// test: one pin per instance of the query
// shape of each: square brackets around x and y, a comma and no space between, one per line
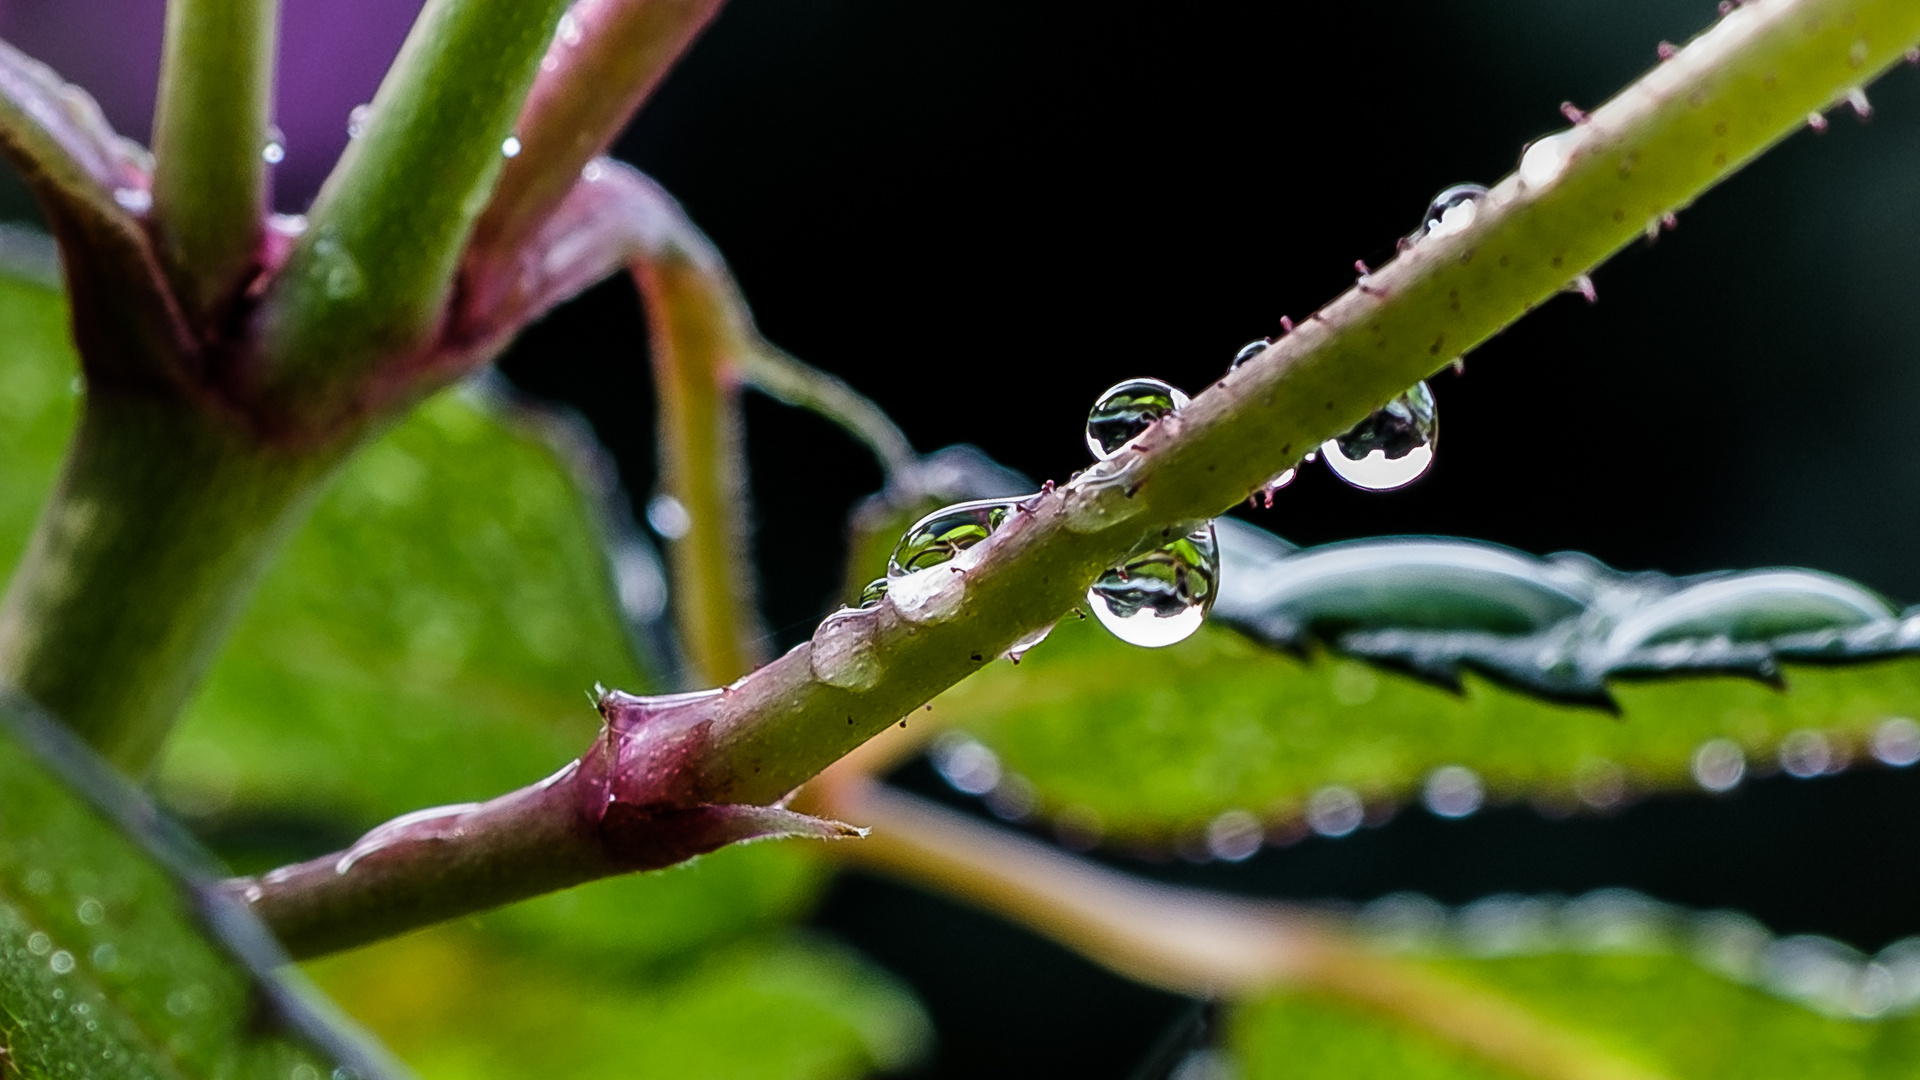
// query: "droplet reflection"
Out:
[1391,448]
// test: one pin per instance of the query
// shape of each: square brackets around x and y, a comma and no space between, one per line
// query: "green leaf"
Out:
[459,1007]
[1556,680]
[1678,994]
[114,962]
[427,638]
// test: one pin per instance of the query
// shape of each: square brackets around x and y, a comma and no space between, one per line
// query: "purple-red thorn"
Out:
[1572,112]
[1286,325]
[1666,50]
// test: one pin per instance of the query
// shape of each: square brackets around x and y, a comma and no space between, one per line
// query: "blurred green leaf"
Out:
[459,1008]
[427,637]
[1159,742]
[112,963]
[1704,997]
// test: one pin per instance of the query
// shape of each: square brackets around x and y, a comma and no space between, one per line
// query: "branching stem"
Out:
[1578,197]
[209,129]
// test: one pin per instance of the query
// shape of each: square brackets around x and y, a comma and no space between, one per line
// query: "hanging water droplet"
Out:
[871,596]
[945,533]
[357,118]
[1250,350]
[1390,449]
[1453,210]
[275,151]
[1020,648]
[1160,596]
[1126,410]
[511,147]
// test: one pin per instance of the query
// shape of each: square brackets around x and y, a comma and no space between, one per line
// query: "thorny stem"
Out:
[1744,84]
[1191,941]
[209,128]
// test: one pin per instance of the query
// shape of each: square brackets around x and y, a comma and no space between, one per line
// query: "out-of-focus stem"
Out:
[1188,940]
[160,524]
[209,127]
[698,341]
[607,58]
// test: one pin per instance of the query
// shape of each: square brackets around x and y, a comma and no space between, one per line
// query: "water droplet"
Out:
[133,200]
[1805,754]
[1719,764]
[1019,649]
[39,944]
[106,956]
[1248,351]
[1234,836]
[668,516]
[304,1071]
[1126,410]
[568,32]
[966,764]
[275,150]
[1390,449]
[1335,811]
[61,962]
[1454,791]
[940,536]
[433,823]
[592,171]
[1545,159]
[511,147]
[1268,489]
[1092,503]
[287,224]
[843,652]
[1161,596]
[1896,742]
[91,911]
[357,119]
[1453,210]
[340,274]
[875,592]
[1600,784]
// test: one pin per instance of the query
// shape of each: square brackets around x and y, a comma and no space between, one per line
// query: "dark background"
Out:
[983,213]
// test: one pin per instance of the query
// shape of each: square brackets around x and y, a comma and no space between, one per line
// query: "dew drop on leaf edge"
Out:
[1160,596]
[1391,448]
[1126,410]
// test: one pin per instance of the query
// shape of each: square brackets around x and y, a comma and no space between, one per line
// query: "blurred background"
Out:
[981,214]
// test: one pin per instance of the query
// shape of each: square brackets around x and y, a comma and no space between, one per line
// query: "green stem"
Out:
[370,278]
[209,128]
[607,59]
[141,560]
[697,339]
